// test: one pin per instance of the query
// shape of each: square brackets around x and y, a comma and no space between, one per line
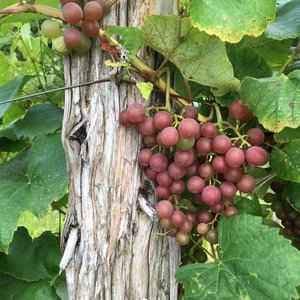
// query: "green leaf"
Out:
[275,101]
[285,162]
[31,260]
[40,120]
[7,145]
[249,206]
[287,135]
[145,89]
[292,194]
[30,182]
[195,53]
[130,37]
[250,265]
[231,20]
[246,62]
[287,23]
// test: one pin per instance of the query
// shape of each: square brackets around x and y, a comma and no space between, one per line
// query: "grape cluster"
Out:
[187,159]
[84,25]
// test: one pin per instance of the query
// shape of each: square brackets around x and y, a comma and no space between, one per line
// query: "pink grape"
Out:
[162,192]
[234,175]
[204,146]
[235,157]
[178,218]
[162,120]
[164,209]
[246,184]
[136,113]
[158,162]
[151,174]
[239,111]
[256,156]
[195,184]
[209,130]
[184,159]
[144,157]
[211,195]
[190,112]
[230,211]
[219,164]
[206,171]
[163,179]
[169,137]
[72,13]
[177,187]
[189,128]
[204,216]
[147,127]
[228,190]
[256,136]
[221,144]
[176,172]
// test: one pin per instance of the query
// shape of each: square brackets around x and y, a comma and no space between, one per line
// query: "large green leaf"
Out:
[200,57]
[275,101]
[287,135]
[285,162]
[31,182]
[40,119]
[255,262]
[287,23]
[231,20]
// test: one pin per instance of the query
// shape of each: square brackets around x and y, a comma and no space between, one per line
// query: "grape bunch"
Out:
[197,168]
[84,25]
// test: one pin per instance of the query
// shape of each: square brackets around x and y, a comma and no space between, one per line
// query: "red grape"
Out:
[182,238]
[178,218]
[256,156]
[185,144]
[162,192]
[205,216]
[93,11]
[217,208]
[202,228]
[177,187]
[234,157]
[162,120]
[230,211]
[176,172]
[204,146]
[136,113]
[163,179]
[228,190]
[190,112]
[147,127]
[169,137]
[192,170]
[151,174]
[189,128]
[72,13]
[91,29]
[219,164]
[191,217]
[206,171]
[184,159]
[144,157]
[164,209]
[221,144]
[187,226]
[246,184]
[239,111]
[72,38]
[256,136]
[158,162]
[209,130]
[212,236]
[123,119]
[211,195]
[195,184]
[234,175]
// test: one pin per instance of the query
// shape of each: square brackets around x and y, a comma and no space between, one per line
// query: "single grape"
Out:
[234,157]
[204,216]
[204,146]
[195,185]
[233,175]
[189,128]
[202,228]
[72,13]
[187,226]
[212,236]
[176,172]
[162,192]
[211,195]
[206,171]
[90,28]
[219,164]
[162,120]
[72,38]
[136,113]
[151,174]
[164,209]
[184,159]
[182,238]
[144,157]
[93,11]
[158,162]
[246,184]
[190,112]
[209,130]
[256,156]
[59,45]
[256,136]
[165,223]
[163,179]
[221,144]
[192,170]
[228,190]
[177,187]
[230,211]
[51,29]
[185,144]
[218,208]
[178,218]
[149,141]
[191,217]
[147,127]
[239,111]
[84,46]
[169,137]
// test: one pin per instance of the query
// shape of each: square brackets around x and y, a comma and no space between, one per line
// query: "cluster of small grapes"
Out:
[186,158]
[85,24]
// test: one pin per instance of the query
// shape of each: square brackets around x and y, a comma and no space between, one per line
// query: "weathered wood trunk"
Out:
[118,254]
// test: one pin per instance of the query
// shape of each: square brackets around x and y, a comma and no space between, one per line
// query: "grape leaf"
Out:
[31,182]
[249,206]
[195,53]
[40,119]
[145,89]
[287,23]
[231,20]
[275,100]
[287,135]
[250,265]
[285,161]
[292,194]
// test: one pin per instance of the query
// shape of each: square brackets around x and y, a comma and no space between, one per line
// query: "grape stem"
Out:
[219,116]
[236,131]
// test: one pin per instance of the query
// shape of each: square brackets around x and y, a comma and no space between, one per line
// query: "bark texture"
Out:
[118,254]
